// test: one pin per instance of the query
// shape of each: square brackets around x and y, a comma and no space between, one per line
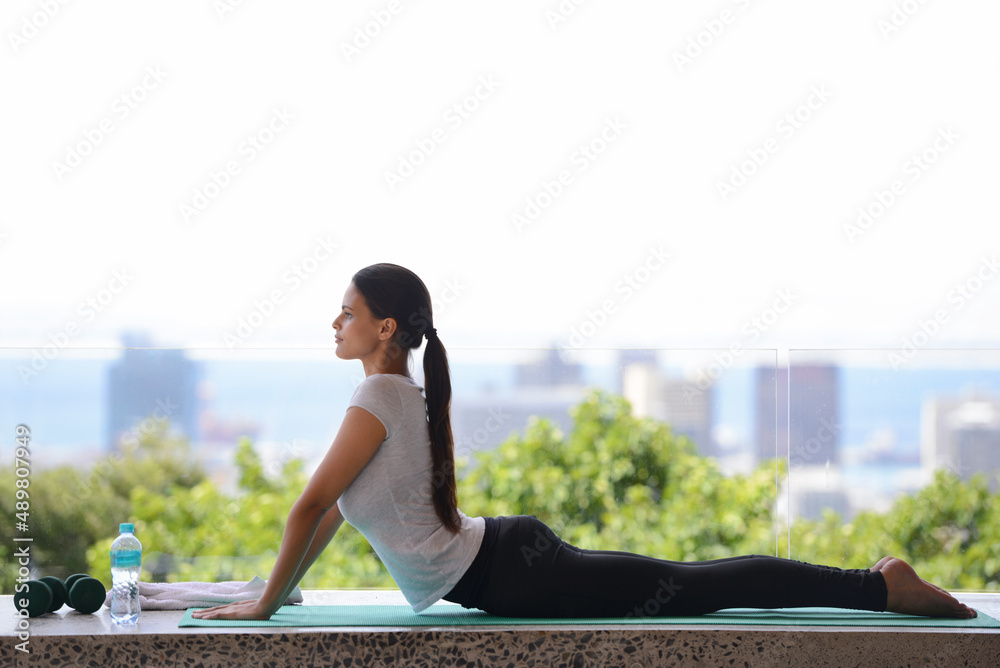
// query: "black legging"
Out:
[524,570]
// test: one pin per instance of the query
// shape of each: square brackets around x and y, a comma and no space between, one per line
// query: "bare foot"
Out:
[884,560]
[910,595]
[881,562]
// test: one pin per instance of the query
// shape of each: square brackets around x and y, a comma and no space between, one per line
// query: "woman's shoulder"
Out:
[388,397]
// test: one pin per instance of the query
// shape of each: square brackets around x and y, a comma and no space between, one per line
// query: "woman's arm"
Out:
[314,518]
[324,534]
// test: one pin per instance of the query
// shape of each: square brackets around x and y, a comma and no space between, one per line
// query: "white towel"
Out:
[183,595]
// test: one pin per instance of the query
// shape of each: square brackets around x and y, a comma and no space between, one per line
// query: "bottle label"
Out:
[126,558]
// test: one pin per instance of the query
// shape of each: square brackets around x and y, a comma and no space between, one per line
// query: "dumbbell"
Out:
[36,601]
[59,592]
[83,593]
[87,595]
[72,579]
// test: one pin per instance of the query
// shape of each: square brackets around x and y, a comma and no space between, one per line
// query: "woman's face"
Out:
[356,329]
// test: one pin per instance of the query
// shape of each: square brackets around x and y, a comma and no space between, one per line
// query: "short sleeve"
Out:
[378,395]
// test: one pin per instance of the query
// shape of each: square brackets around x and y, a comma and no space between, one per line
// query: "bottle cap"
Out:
[126,527]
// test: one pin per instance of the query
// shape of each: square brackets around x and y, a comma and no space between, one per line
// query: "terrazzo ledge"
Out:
[67,638]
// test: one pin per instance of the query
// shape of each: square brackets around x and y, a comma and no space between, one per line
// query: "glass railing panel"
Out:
[234,434]
[893,454]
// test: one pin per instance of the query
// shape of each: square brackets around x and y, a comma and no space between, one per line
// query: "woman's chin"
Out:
[341,353]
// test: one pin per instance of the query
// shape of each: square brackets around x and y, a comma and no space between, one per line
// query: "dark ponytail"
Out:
[391,291]
[437,385]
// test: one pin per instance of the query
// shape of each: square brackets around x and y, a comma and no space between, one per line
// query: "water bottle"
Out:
[126,563]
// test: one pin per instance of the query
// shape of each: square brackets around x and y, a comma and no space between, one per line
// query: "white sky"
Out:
[679,133]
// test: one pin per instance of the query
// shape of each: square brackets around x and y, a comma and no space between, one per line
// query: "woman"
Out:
[390,473]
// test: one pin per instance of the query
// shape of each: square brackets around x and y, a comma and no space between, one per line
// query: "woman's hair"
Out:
[391,291]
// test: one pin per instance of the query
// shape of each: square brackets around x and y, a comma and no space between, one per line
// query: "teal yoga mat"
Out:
[454,615]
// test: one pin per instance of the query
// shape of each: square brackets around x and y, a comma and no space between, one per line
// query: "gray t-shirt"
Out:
[390,501]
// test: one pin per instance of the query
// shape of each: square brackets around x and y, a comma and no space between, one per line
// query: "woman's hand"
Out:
[239,610]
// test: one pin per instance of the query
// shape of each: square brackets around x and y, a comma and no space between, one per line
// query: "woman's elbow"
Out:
[311,508]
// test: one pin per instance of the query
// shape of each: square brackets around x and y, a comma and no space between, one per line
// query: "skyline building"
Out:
[961,434]
[676,401]
[550,371]
[546,388]
[150,383]
[804,421]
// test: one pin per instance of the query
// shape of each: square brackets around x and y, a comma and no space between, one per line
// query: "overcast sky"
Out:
[643,174]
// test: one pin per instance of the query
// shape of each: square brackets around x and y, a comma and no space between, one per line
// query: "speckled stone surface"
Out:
[67,638]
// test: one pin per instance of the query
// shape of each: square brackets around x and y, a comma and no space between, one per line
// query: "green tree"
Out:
[619,482]
[949,531]
[70,509]
[200,533]
[615,482]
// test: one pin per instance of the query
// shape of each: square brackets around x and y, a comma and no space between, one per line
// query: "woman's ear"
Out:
[388,329]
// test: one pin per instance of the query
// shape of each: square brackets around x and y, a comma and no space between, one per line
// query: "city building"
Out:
[675,401]
[961,435]
[148,383]
[483,422]
[550,371]
[547,388]
[811,492]
[803,424]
